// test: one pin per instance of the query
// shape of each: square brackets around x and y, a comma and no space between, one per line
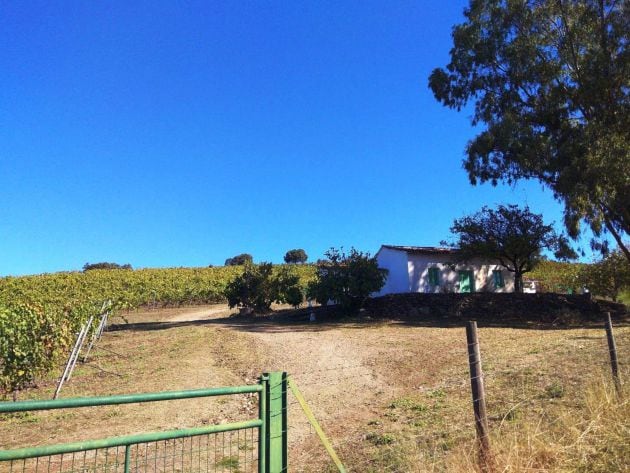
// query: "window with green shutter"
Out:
[498,278]
[434,276]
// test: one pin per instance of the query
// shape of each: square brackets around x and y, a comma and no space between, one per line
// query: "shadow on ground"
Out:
[329,318]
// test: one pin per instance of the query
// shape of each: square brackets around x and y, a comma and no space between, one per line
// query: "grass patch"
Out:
[229,462]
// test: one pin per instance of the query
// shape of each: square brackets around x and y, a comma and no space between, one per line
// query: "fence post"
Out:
[478,397]
[612,349]
[276,447]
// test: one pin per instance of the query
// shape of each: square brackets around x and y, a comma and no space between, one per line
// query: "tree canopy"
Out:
[550,80]
[239,260]
[347,279]
[512,237]
[296,256]
[105,265]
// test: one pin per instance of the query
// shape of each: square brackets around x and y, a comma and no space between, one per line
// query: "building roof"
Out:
[425,250]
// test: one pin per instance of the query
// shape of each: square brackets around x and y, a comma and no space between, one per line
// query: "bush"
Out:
[253,289]
[259,286]
[295,256]
[608,277]
[239,260]
[347,280]
[289,289]
[104,265]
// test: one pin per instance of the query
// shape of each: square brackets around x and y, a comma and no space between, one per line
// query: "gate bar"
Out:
[125,398]
[32,452]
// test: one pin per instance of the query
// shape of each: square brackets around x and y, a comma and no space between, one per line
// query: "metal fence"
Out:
[256,445]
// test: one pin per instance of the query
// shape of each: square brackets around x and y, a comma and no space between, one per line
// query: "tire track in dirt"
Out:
[333,367]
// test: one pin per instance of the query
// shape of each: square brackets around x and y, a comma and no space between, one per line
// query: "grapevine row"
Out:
[40,315]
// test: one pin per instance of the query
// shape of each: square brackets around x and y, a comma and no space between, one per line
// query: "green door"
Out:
[466,281]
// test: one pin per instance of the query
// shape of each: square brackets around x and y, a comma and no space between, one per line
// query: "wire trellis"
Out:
[223,452]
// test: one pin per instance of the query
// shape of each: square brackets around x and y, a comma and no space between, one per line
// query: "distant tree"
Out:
[549,83]
[512,237]
[347,279]
[90,266]
[295,256]
[239,260]
[607,277]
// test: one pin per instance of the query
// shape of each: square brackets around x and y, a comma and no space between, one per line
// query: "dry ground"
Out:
[389,394]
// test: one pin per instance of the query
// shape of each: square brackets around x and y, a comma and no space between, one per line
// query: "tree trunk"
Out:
[617,237]
[518,282]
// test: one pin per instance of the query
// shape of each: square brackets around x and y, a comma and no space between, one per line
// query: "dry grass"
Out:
[392,397]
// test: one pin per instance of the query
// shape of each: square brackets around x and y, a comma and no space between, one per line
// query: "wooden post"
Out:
[478,397]
[612,349]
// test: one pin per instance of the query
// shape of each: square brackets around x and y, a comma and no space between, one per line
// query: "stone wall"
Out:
[546,308]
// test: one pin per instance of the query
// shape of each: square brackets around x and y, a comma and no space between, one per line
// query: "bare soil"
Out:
[375,386]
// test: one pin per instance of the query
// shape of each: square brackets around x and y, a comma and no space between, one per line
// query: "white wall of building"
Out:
[396,263]
[409,272]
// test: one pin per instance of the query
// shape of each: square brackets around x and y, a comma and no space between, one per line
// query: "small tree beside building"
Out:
[512,237]
[347,279]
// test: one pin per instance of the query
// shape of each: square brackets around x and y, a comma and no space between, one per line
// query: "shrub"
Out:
[608,277]
[289,289]
[296,256]
[259,286]
[347,279]
[254,289]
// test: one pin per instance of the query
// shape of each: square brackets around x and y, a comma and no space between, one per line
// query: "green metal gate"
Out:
[256,445]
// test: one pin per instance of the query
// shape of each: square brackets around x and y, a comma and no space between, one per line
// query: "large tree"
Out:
[550,82]
[510,236]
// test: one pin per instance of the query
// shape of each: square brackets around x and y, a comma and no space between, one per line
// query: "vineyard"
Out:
[40,315]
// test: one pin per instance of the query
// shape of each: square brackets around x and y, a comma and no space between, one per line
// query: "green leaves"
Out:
[259,286]
[40,315]
[549,80]
[347,279]
[29,343]
[509,236]
[607,277]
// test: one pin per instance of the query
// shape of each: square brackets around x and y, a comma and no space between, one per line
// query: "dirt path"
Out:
[386,393]
[334,367]
[201,314]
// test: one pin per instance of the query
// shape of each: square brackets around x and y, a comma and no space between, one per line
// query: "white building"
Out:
[433,269]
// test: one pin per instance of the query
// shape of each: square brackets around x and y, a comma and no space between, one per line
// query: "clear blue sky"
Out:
[172,134]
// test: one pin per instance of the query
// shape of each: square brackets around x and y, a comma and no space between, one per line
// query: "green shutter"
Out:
[434,277]
[498,278]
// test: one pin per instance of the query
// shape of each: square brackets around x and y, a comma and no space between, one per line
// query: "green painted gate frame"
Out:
[271,422]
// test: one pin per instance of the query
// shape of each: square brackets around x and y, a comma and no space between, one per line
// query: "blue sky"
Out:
[172,134]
